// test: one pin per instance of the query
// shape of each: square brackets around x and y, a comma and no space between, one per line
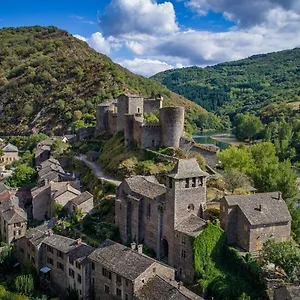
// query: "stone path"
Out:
[98,170]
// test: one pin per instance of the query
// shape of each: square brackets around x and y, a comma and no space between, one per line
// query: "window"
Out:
[14,233]
[60,254]
[138,110]
[60,266]
[149,210]
[19,232]
[170,183]
[80,292]
[93,266]
[49,249]
[119,293]
[183,241]
[183,254]
[194,182]
[127,282]
[71,261]
[21,250]
[119,279]
[191,207]
[17,224]
[50,261]
[79,278]
[106,289]
[106,273]
[93,280]
[187,183]
[126,297]
[78,265]
[71,273]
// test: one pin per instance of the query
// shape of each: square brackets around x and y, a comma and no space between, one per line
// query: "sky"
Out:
[150,36]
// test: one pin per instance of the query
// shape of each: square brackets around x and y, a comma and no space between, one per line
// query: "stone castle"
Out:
[127,113]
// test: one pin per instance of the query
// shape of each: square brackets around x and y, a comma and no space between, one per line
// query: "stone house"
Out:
[119,272]
[250,220]
[4,192]
[65,193]
[64,262]
[10,154]
[164,217]
[13,220]
[128,113]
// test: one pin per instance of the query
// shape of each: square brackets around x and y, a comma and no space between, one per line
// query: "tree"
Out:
[247,126]
[59,146]
[24,284]
[284,255]
[77,115]
[236,180]
[23,175]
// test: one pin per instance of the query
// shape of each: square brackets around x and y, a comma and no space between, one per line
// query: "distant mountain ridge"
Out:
[46,74]
[239,86]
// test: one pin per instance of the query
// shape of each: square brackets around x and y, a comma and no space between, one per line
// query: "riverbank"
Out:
[228,139]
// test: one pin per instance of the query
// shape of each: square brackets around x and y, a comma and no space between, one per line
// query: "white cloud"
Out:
[97,42]
[135,47]
[138,16]
[145,67]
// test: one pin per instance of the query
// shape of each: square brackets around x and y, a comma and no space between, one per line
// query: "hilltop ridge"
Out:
[46,75]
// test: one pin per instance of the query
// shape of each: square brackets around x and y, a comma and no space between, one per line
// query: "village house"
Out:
[119,272]
[165,217]
[13,219]
[250,220]
[10,154]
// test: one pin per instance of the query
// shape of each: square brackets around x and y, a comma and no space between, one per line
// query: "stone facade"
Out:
[129,117]
[118,272]
[251,220]
[10,154]
[161,216]
[13,220]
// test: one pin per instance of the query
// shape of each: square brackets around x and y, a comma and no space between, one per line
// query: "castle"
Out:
[128,113]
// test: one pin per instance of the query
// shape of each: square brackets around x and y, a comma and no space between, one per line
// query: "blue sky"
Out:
[148,36]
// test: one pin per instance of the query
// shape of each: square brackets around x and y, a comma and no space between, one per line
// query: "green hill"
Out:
[46,74]
[239,86]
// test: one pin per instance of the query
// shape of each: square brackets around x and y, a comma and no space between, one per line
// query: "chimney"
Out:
[133,246]
[140,249]
[180,284]
[78,241]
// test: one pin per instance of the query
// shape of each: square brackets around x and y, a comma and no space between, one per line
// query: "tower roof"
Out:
[186,168]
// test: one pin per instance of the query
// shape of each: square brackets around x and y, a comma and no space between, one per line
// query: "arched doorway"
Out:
[165,250]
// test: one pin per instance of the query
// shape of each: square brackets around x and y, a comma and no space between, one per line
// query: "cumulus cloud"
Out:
[145,67]
[98,42]
[246,13]
[138,16]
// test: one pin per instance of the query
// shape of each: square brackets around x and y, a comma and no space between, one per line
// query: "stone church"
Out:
[165,217]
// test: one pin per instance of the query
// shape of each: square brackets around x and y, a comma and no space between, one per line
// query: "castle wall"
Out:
[151,135]
[128,105]
[137,131]
[128,129]
[152,105]
[112,121]
[172,125]
[102,117]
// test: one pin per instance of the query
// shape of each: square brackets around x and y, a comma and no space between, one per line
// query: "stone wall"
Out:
[85,132]
[152,105]
[42,204]
[151,135]
[112,121]
[172,125]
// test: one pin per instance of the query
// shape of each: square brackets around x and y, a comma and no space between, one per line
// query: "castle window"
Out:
[149,210]
[183,241]
[187,183]
[194,182]
[170,183]
[138,110]
[183,254]
[191,207]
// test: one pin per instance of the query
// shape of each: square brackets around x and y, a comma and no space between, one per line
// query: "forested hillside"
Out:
[50,80]
[239,86]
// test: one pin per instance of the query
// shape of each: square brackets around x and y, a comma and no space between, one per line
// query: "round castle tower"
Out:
[172,125]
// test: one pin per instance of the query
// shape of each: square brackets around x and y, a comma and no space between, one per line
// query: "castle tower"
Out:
[102,116]
[172,125]
[185,195]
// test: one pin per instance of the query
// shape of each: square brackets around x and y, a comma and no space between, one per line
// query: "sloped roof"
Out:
[146,186]
[3,188]
[121,259]
[85,196]
[187,168]
[10,148]
[81,252]
[191,226]
[162,289]
[11,212]
[273,207]
[66,187]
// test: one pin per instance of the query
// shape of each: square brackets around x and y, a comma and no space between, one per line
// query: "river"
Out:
[221,139]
